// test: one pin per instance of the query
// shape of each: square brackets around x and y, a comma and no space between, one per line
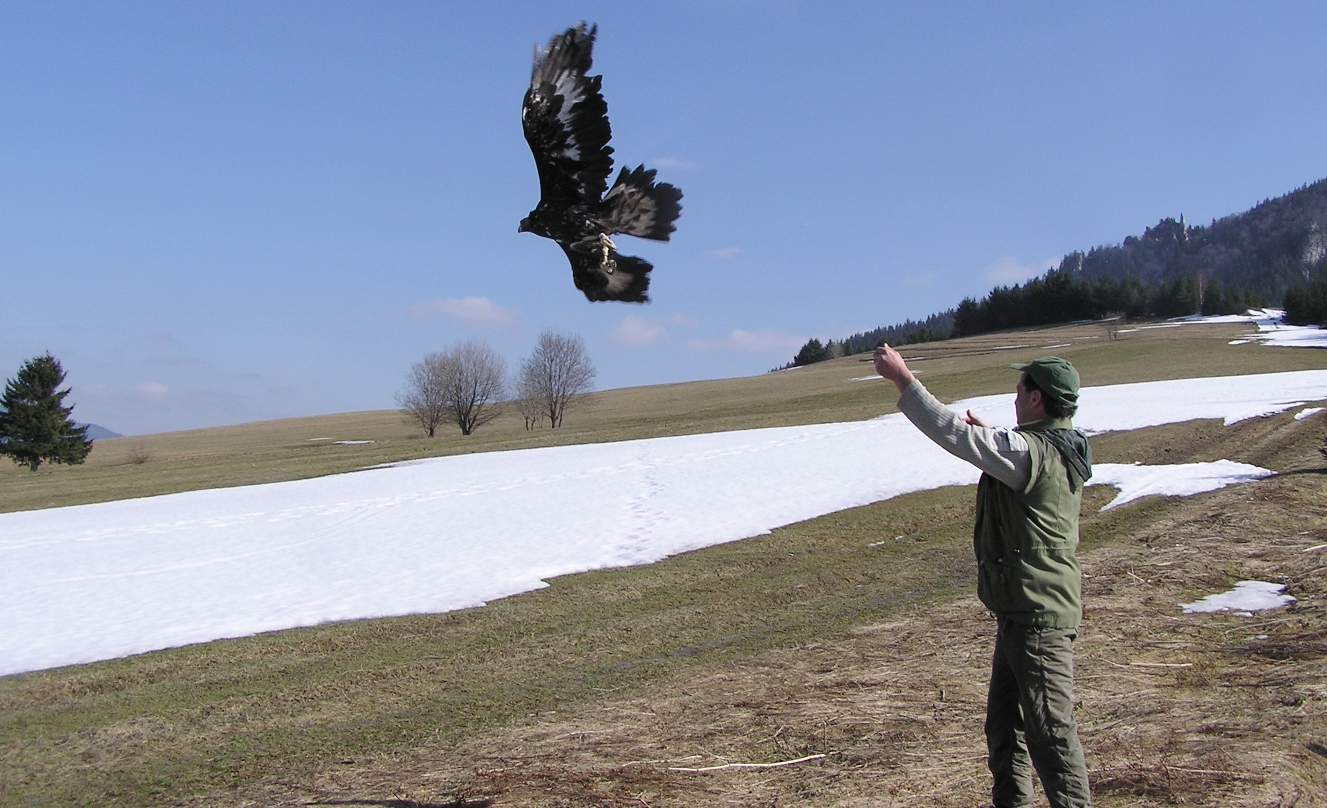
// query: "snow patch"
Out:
[1182,479]
[1246,598]
[1143,404]
[1272,329]
[1289,336]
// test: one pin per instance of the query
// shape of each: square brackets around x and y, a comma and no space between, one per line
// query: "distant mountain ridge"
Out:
[96,432]
[1265,250]
[1273,253]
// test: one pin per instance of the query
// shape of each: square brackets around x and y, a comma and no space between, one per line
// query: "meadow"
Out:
[297,448]
[851,639]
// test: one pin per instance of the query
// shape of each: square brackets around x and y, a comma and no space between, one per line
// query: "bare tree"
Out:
[462,386]
[528,402]
[557,374]
[474,384]
[1114,321]
[422,399]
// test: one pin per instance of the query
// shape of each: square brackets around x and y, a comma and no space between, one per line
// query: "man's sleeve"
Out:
[1002,453]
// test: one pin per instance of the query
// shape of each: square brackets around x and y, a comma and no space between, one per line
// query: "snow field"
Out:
[100,581]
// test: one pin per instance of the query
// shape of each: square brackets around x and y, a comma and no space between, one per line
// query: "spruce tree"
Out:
[35,426]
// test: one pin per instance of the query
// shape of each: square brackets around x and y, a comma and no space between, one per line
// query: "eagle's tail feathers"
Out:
[627,282]
[636,206]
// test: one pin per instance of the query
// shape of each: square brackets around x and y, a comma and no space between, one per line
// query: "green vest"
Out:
[1025,541]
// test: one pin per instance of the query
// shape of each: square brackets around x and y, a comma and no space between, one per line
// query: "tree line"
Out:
[467,385]
[1307,304]
[1059,296]
[935,327]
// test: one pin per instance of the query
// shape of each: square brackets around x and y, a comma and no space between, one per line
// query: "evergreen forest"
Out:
[1274,254]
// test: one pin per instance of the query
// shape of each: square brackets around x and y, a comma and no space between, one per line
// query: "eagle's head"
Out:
[525,226]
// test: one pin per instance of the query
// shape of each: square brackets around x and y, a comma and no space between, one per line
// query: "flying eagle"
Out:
[566,124]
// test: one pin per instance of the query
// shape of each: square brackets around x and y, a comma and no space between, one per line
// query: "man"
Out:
[1025,537]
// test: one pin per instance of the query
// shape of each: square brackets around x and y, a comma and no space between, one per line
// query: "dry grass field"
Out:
[296,448]
[851,642]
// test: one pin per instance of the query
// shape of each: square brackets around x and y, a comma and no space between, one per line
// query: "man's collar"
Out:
[1046,424]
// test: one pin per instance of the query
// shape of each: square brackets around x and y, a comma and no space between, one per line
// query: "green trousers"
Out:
[1030,718]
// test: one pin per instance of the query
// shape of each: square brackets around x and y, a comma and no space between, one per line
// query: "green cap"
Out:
[1055,376]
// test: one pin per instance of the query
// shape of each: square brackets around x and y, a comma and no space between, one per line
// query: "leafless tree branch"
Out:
[463,386]
[558,374]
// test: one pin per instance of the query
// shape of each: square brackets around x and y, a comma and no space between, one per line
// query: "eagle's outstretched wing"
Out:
[566,121]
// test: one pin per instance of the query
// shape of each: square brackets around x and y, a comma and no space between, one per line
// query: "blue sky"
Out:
[223,212]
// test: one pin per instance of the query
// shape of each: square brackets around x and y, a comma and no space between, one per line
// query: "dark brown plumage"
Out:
[566,124]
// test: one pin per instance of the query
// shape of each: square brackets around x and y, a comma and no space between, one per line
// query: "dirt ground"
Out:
[1174,709]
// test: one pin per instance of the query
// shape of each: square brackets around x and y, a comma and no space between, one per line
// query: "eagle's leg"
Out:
[606,246]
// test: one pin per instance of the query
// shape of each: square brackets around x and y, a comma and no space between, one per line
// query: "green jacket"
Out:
[1025,541]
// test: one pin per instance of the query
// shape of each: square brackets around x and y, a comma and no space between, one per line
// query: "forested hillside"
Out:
[1273,254]
[1265,250]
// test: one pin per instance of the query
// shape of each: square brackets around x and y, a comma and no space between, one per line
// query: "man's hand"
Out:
[974,420]
[889,363]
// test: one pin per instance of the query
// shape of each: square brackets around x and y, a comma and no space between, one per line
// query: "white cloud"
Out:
[150,390]
[143,392]
[766,341]
[675,162]
[636,330]
[724,252]
[176,361]
[683,320]
[915,281]
[1009,270]
[478,311]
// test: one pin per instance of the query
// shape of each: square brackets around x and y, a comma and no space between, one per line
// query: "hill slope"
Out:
[851,640]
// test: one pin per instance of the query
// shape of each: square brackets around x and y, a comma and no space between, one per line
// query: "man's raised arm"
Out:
[1001,453]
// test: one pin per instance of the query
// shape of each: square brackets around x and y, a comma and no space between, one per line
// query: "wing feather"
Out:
[565,119]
